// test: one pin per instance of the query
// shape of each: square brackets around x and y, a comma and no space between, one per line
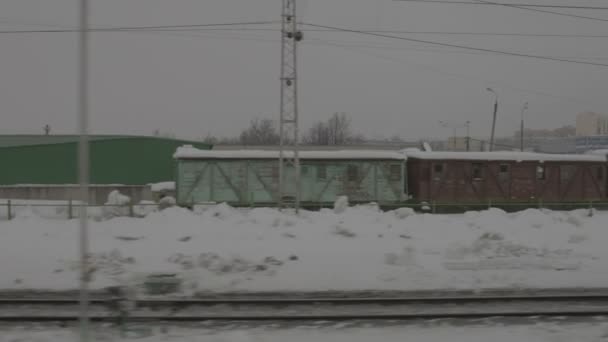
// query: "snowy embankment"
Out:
[220,248]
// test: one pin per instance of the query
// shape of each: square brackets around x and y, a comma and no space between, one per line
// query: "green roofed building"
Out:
[115,159]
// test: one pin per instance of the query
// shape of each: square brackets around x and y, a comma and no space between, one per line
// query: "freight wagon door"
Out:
[289,183]
[523,182]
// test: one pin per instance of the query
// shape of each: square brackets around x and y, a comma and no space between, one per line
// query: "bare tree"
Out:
[210,139]
[339,128]
[358,138]
[260,132]
[335,131]
[318,134]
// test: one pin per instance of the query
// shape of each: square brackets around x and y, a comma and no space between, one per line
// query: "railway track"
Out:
[303,309]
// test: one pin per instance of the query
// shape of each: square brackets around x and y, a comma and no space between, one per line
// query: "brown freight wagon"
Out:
[479,177]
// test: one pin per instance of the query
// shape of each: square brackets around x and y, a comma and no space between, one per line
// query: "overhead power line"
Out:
[222,27]
[138,28]
[439,50]
[509,4]
[540,10]
[450,33]
[245,29]
[526,7]
[502,52]
[440,71]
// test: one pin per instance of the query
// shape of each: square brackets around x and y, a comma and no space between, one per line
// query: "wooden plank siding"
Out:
[506,181]
[255,181]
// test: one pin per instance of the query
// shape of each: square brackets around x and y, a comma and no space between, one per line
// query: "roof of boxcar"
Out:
[188,152]
[506,156]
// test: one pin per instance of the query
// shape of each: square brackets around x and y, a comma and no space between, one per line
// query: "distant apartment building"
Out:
[590,123]
[580,144]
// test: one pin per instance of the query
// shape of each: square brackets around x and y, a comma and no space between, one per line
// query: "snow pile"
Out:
[162,186]
[116,198]
[167,202]
[340,204]
[220,248]
[404,212]
[116,205]
[220,265]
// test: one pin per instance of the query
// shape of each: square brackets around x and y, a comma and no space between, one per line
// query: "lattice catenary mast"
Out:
[289,159]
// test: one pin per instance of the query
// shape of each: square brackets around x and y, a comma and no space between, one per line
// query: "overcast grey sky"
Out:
[213,82]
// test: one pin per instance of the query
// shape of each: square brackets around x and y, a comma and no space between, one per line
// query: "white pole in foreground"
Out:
[288,129]
[83,165]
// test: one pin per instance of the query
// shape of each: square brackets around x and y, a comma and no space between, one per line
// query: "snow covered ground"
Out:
[540,332]
[219,248]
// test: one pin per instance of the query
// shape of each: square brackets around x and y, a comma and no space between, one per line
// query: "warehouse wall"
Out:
[130,161]
[40,164]
[134,161]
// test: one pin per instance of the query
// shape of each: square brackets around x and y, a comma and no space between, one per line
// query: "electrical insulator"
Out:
[299,36]
[288,82]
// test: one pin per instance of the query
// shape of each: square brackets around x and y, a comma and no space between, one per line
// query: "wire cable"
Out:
[514,4]
[195,28]
[450,33]
[440,71]
[138,28]
[540,10]
[439,50]
[502,52]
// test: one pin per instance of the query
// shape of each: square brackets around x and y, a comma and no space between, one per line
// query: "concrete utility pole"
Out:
[468,125]
[493,118]
[521,134]
[289,189]
[83,165]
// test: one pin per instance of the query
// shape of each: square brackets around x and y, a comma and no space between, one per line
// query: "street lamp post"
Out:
[468,125]
[521,133]
[493,117]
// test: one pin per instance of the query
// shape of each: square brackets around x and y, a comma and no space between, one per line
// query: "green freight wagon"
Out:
[251,178]
[52,159]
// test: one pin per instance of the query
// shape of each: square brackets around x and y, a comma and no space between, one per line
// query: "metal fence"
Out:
[11,209]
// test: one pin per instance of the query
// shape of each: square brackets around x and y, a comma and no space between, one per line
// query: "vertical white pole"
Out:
[83,165]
